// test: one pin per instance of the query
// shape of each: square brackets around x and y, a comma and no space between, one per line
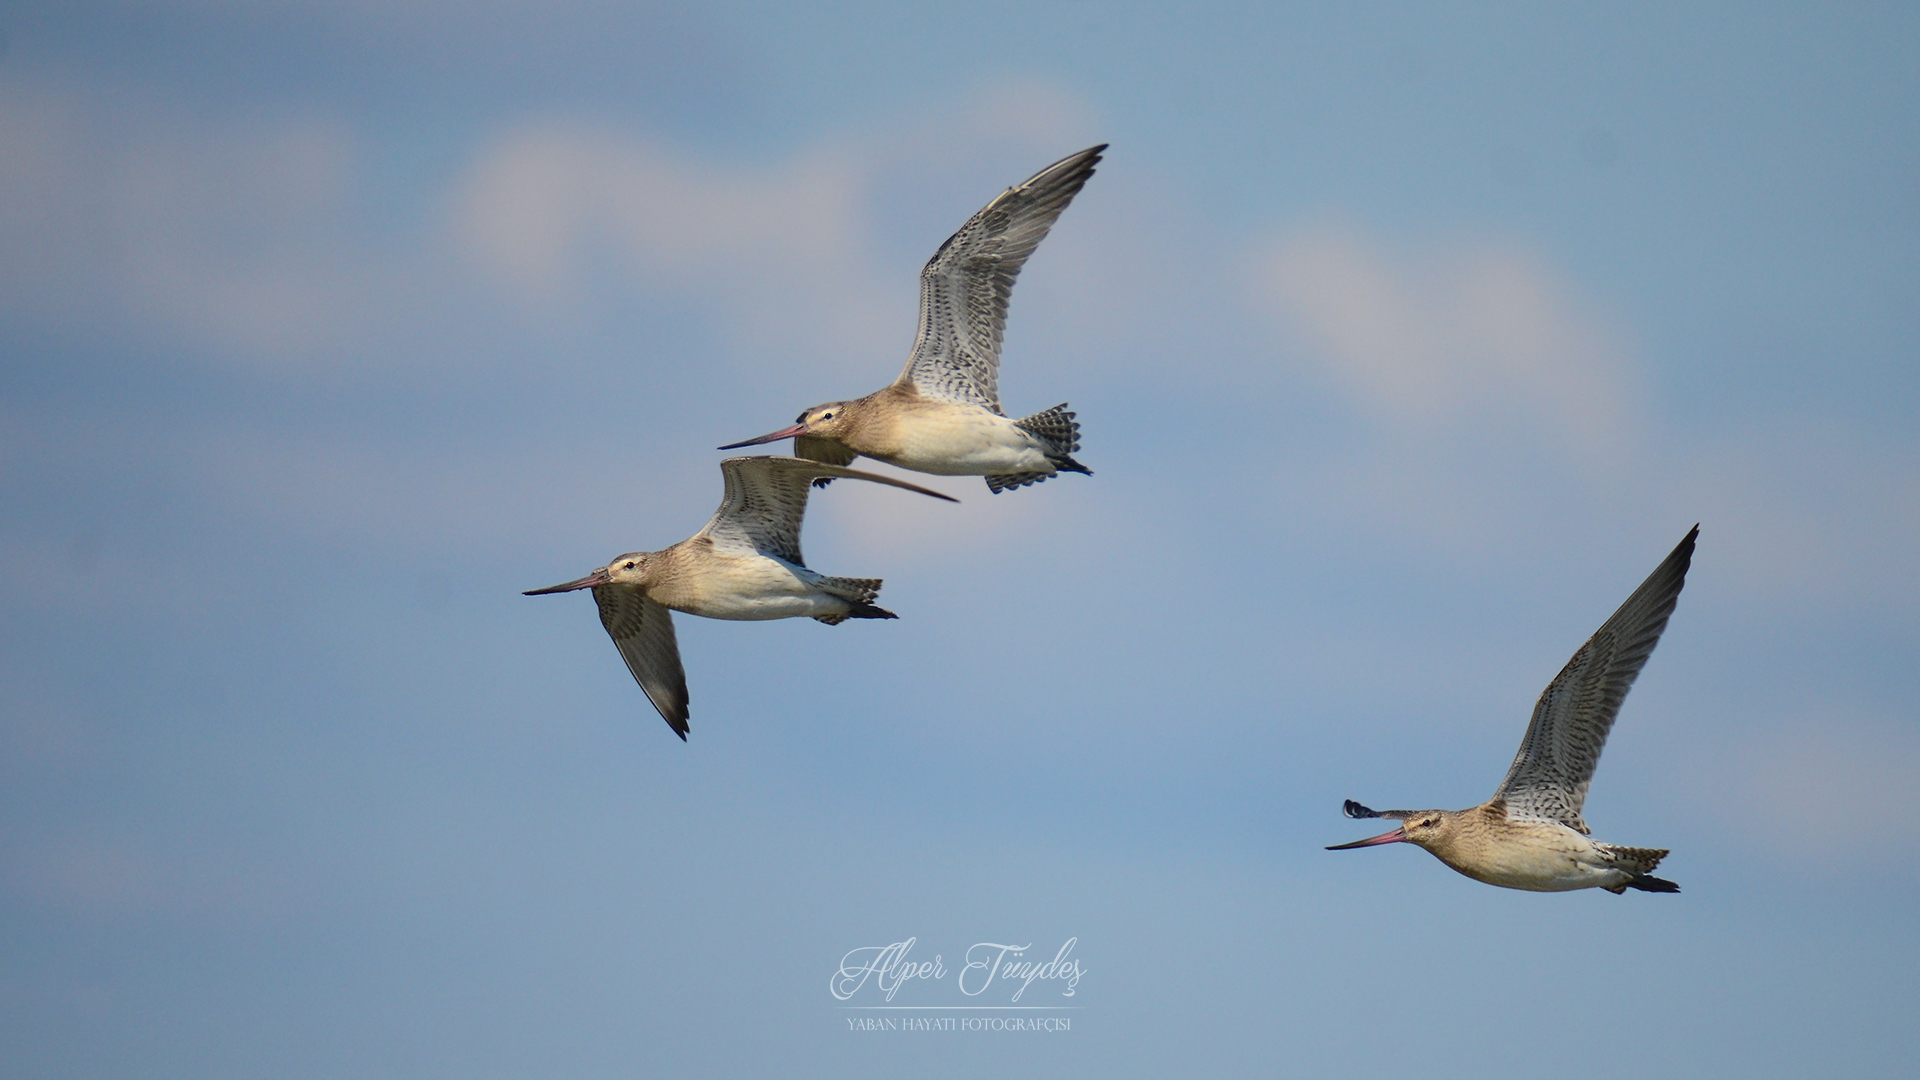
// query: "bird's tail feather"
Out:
[999,482]
[1637,860]
[1056,427]
[859,593]
[858,590]
[858,609]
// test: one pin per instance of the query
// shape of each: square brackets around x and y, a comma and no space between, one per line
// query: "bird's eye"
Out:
[629,566]
[826,416]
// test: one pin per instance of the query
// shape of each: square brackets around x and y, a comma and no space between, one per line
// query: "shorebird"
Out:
[942,415]
[1531,834]
[744,565]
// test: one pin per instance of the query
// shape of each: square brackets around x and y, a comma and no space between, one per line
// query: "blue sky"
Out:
[1405,341]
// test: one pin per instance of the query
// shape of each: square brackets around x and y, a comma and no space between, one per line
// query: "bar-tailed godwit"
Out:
[744,565]
[1531,834]
[943,415]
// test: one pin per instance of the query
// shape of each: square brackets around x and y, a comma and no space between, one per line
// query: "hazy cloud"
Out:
[250,239]
[129,219]
[1475,332]
[788,252]
[548,206]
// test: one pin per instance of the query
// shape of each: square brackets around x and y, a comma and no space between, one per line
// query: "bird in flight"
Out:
[1531,834]
[745,564]
[943,415]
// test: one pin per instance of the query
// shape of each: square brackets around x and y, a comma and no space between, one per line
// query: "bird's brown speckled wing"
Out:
[767,497]
[643,632]
[965,286]
[1550,774]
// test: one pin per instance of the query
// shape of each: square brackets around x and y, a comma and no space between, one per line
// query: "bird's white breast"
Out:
[750,587]
[965,440]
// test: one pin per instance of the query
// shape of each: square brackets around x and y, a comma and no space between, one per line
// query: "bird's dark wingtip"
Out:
[1682,554]
[1355,810]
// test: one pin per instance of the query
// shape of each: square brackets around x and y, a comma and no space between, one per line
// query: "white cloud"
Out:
[1498,404]
[1474,333]
[1502,408]
[120,216]
[1493,388]
[787,250]
[127,217]
[247,241]
[786,255]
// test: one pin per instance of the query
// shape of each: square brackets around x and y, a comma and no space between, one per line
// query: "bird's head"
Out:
[631,569]
[1428,828]
[1425,828]
[827,421]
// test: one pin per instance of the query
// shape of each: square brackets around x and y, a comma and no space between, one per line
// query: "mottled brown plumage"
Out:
[1531,834]
[943,414]
[745,564]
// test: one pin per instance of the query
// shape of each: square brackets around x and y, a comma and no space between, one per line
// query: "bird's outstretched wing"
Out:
[1355,810]
[643,632]
[965,286]
[1550,774]
[766,498]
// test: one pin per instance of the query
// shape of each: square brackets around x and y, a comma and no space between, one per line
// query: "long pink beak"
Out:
[783,433]
[1397,836]
[591,581]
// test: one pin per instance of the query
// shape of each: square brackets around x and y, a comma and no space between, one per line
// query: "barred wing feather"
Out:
[643,632]
[965,287]
[766,498]
[1551,773]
